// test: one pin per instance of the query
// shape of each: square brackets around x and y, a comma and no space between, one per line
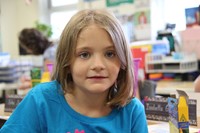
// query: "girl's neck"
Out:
[92,106]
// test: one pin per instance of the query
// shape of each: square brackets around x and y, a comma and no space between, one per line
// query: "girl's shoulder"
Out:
[51,88]
[135,104]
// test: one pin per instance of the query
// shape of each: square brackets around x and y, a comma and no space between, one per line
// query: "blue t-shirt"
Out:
[45,110]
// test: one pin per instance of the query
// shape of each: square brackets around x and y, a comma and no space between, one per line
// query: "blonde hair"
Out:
[68,42]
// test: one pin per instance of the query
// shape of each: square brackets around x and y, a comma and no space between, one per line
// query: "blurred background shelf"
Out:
[160,63]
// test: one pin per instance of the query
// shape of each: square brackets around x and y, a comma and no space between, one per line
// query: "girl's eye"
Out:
[84,55]
[110,54]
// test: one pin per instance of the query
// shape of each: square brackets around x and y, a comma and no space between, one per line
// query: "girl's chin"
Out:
[98,90]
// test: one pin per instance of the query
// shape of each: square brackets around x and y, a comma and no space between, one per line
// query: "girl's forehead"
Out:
[91,30]
[92,26]
[94,35]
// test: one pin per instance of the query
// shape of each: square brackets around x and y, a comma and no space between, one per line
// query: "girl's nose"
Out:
[98,63]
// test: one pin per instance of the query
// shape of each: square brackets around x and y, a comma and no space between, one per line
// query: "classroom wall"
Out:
[101,4]
[16,15]
[127,13]
[8,26]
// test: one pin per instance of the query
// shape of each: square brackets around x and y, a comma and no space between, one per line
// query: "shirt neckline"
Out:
[83,118]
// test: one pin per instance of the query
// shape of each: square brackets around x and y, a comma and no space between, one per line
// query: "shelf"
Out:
[158,63]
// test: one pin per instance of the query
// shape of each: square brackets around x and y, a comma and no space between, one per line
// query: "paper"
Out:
[191,41]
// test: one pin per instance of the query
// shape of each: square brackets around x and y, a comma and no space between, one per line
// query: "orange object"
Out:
[155,75]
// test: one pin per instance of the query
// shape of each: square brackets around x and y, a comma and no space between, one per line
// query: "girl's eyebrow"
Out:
[110,47]
[83,48]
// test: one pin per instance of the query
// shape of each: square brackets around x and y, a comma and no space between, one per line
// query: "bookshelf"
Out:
[159,63]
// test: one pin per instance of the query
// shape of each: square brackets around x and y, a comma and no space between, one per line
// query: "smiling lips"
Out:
[97,77]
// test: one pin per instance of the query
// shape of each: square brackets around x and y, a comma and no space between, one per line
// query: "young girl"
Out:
[92,87]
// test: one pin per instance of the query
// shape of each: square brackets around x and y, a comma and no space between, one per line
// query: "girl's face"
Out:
[96,65]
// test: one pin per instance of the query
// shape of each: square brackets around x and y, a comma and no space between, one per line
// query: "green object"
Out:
[35,73]
[170,38]
[117,2]
[34,83]
[44,28]
[36,76]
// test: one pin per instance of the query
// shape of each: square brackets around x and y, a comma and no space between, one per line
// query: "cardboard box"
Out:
[179,113]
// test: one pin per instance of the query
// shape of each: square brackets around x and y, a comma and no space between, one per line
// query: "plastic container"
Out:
[136,62]
[50,67]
